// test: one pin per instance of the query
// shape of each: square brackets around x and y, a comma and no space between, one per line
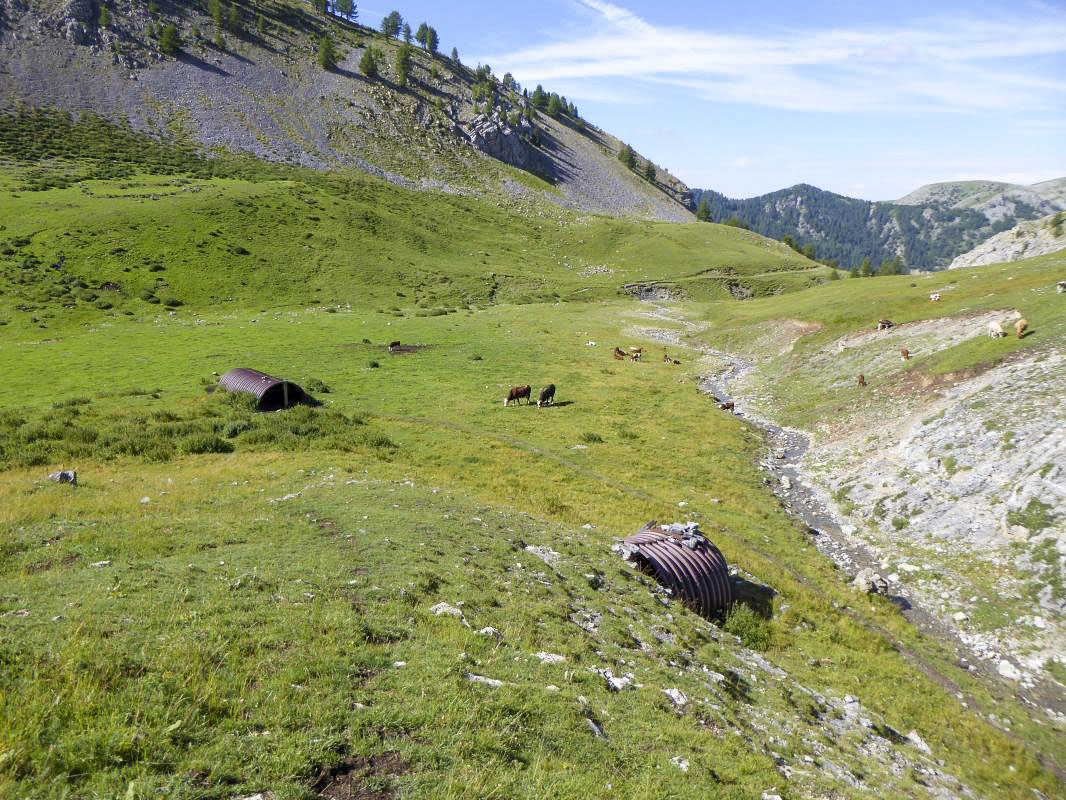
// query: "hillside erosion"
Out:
[254,84]
[1024,240]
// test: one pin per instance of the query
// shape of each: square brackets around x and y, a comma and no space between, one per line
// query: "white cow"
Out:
[995,330]
[934,296]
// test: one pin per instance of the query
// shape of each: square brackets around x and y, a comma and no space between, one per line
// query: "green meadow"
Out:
[233,602]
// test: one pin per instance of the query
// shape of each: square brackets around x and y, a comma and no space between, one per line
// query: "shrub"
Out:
[373,365]
[591,438]
[316,385]
[744,623]
[204,443]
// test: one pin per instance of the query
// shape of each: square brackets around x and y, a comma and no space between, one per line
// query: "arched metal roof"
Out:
[270,393]
[684,561]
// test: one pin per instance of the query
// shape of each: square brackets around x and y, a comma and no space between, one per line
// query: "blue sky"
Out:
[866,99]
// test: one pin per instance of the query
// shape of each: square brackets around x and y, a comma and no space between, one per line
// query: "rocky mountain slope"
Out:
[927,228]
[1024,240]
[994,199]
[252,83]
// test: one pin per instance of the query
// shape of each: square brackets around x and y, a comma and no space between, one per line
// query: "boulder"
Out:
[870,581]
[65,476]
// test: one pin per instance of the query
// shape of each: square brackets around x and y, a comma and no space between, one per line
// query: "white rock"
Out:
[399,664]
[444,608]
[909,568]
[960,616]
[470,676]
[550,658]
[490,631]
[680,762]
[770,795]
[918,742]
[1008,670]
[100,564]
[145,500]
[677,697]
[1038,622]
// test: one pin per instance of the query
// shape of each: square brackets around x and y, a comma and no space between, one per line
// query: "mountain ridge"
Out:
[937,223]
[252,83]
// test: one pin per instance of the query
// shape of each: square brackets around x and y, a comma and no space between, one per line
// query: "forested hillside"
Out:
[848,230]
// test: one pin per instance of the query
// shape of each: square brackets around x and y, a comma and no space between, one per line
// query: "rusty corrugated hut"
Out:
[685,561]
[270,393]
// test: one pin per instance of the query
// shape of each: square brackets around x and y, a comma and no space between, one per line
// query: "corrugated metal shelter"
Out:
[685,561]
[270,393]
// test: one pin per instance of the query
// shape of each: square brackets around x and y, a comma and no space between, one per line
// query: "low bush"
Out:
[744,623]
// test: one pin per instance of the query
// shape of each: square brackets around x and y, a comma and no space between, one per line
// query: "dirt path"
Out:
[814,510]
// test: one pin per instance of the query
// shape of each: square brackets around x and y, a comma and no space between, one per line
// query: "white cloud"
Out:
[961,64]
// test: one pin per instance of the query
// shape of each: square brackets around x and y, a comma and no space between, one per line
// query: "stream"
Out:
[811,506]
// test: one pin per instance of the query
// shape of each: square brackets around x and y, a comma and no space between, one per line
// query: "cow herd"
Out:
[995,331]
[518,393]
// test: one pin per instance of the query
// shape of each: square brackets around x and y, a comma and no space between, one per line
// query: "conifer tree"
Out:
[555,106]
[432,40]
[169,40]
[346,8]
[105,17]
[420,35]
[703,211]
[368,63]
[214,8]
[327,55]
[649,171]
[865,269]
[406,33]
[403,64]
[455,56]
[627,156]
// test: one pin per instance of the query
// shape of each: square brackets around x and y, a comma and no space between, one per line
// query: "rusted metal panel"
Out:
[683,560]
[270,392]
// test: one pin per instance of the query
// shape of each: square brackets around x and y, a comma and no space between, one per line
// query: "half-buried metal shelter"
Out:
[685,561]
[270,393]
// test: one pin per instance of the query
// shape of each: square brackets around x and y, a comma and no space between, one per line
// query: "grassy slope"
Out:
[235,642]
[276,243]
[839,308]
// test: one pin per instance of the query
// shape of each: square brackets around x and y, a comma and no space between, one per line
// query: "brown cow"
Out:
[726,406]
[862,379]
[1020,326]
[619,353]
[394,346]
[516,394]
[904,353]
[885,324]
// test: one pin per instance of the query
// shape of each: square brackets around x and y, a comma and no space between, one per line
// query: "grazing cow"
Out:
[1020,326]
[677,363]
[547,396]
[636,349]
[667,359]
[904,353]
[516,394]
[995,330]
[1060,287]
[394,346]
[726,406]
[885,324]
[619,353]
[934,296]
[862,380]
[635,356]
[590,344]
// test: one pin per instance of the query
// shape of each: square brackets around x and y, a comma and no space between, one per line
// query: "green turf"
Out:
[246,630]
